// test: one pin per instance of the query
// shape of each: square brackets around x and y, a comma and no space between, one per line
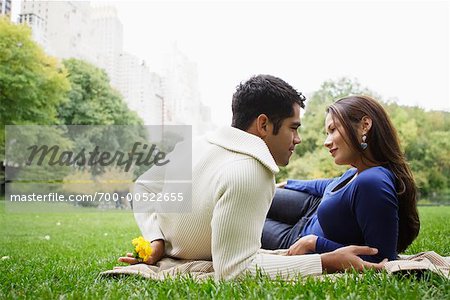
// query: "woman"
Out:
[373,203]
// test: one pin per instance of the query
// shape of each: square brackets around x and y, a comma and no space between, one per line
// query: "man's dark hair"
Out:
[264,94]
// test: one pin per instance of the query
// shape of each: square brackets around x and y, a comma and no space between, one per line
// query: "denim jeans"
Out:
[287,216]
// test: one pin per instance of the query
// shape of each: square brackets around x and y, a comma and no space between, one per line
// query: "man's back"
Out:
[232,187]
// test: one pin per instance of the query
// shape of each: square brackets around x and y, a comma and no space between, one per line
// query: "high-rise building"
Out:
[35,14]
[183,105]
[129,74]
[76,29]
[5,7]
[38,26]
[107,39]
[61,27]
[180,86]
[141,89]
[158,101]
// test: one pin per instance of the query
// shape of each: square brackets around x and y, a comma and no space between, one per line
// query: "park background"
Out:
[165,63]
[397,52]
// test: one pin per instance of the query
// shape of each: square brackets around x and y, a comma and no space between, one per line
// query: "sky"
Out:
[399,49]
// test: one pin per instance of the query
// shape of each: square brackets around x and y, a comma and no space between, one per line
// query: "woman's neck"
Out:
[364,164]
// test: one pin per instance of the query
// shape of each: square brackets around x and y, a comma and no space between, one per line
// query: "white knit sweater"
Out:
[232,189]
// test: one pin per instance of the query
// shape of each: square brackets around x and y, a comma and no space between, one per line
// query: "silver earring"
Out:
[364,144]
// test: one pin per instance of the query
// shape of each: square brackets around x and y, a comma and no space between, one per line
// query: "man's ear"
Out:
[263,125]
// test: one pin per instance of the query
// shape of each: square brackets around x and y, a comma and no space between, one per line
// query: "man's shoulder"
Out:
[227,161]
[238,144]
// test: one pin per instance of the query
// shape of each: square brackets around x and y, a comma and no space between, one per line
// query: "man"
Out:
[232,188]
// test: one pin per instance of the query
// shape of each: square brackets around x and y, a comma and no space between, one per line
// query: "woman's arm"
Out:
[314,187]
[375,206]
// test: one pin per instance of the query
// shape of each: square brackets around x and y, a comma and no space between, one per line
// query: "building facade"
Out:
[77,29]
[183,105]
[60,27]
[141,89]
[106,31]
[5,7]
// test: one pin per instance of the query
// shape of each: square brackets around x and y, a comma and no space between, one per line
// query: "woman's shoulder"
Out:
[349,173]
[376,174]
[375,188]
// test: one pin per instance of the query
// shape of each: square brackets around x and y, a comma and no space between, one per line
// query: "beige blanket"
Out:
[169,267]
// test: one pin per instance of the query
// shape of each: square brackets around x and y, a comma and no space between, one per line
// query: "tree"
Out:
[309,160]
[312,130]
[92,100]
[32,84]
[424,138]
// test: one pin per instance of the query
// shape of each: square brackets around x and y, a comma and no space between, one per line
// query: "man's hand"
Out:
[347,258]
[304,245]
[157,254]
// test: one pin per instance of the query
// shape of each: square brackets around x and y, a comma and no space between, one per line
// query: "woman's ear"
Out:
[366,124]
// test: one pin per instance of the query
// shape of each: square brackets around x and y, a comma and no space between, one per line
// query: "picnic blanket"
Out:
[200,269]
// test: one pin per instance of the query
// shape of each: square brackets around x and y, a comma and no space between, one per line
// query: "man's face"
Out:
[282,144]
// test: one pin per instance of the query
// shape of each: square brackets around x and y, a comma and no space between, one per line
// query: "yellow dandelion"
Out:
[142,248]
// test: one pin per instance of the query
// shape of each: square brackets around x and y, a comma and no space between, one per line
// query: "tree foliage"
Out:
[32,84]
[314,118]
[424,137]
[36,89]
[92,100]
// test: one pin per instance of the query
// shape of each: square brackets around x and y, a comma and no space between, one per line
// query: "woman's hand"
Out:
[304,245]
[281,185]
[157,254]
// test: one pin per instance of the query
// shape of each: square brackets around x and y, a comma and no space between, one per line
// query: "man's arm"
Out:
[245,191]
[152,181]
[313,244]
[340,259]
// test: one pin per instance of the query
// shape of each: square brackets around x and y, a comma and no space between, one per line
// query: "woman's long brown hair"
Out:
[384,145]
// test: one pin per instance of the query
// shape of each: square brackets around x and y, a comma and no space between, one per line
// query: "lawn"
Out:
[59,256]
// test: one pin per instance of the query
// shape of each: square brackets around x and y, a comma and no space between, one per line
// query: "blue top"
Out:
[363,212]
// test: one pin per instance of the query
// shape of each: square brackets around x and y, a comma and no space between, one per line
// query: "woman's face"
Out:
[343,154]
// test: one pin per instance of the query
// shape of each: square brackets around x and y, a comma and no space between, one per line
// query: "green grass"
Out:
[67,265]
